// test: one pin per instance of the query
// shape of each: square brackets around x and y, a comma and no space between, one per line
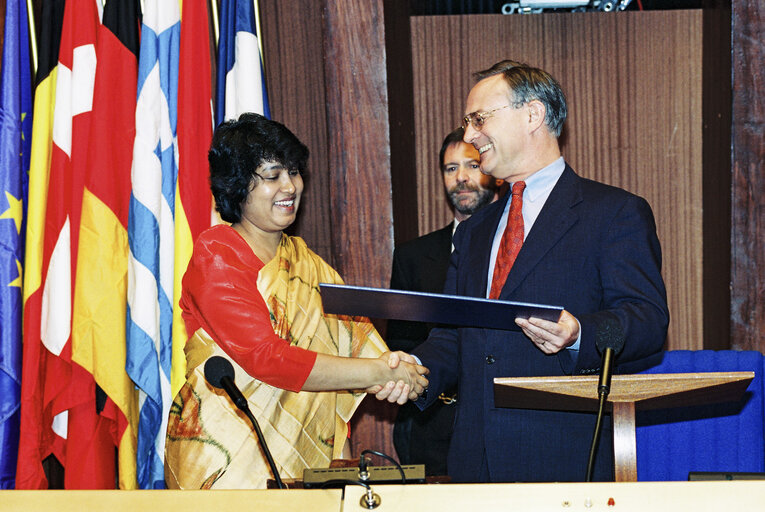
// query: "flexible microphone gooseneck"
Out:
[220,374]
[609,339]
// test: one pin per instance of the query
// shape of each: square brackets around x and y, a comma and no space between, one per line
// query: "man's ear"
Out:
[537,112]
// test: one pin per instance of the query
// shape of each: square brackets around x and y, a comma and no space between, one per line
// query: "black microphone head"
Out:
[609,334]
[216,368]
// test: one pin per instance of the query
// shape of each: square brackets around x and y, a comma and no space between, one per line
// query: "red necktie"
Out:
[512,240]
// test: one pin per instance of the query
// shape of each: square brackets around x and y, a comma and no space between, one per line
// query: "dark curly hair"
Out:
[238,148]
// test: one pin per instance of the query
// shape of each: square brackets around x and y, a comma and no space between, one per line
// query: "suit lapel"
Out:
[435,261]
[555,219]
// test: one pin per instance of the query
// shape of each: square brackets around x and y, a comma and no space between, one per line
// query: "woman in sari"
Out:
[251,295]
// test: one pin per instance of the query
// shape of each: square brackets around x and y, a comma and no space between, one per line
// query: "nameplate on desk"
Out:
[320,477]
[435,308]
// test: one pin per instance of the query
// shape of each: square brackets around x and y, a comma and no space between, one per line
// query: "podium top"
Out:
[647,391]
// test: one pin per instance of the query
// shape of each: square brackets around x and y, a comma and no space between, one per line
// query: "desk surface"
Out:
[712,496]
[568,497]
[319,500]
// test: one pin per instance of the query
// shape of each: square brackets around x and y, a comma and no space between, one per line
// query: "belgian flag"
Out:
[37,439]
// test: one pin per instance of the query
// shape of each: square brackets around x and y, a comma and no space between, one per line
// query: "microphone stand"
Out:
[604,387]
[266,451]
[241,403]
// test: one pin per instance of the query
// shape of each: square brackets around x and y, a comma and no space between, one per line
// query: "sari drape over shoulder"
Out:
[210,443]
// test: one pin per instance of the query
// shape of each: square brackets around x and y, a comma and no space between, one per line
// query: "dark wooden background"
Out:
[635,120]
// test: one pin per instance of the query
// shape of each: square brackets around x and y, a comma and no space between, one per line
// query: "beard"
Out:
[479,199]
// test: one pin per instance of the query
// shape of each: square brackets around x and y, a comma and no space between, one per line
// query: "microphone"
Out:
[609,340]
[219,373]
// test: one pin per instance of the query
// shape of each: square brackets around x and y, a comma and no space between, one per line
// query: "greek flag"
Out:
[240,86]
[150,234]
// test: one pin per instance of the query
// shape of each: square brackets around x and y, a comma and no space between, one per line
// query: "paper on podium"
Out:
[430,307]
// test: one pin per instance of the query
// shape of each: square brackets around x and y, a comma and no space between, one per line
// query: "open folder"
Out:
[431,307]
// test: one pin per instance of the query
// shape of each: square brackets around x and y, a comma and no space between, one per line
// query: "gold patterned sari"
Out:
[210,443]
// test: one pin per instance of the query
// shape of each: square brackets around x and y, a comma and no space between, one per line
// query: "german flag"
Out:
[100,293]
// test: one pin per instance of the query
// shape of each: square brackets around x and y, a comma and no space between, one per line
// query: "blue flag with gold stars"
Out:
[15,139]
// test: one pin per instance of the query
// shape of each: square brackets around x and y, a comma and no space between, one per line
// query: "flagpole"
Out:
[32,36]
[260,33]
[214,7]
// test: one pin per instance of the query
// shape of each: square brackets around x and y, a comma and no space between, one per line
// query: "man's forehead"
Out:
[487,92]
[459,151]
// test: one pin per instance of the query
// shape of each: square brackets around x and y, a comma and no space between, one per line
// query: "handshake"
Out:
[404,378]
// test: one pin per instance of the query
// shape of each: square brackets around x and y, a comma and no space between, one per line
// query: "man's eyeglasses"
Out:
[477,119]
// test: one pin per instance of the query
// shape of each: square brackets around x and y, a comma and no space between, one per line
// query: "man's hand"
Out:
[551,337]
[394,358]
[401,390]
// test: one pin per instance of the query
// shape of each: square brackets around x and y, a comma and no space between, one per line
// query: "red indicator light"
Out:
[611,502]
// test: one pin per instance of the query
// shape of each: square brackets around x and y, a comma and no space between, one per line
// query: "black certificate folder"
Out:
[430,307]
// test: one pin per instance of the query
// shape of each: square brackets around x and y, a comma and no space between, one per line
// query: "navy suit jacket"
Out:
[592,249]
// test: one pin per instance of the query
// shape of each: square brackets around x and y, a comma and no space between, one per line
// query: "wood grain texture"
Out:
[292,44]
[358,140]
[625,443]
[748,208]
[649,391]
[634,88]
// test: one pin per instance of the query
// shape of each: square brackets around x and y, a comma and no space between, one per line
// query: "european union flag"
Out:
[15,139]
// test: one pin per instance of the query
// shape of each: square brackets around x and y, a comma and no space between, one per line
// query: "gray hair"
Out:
[527,83]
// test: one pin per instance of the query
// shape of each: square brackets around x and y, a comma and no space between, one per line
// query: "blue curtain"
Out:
[727,437]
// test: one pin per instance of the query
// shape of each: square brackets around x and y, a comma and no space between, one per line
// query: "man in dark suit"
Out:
[573,242]
[422,437]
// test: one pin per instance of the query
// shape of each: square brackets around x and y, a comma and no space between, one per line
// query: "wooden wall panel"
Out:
[358,147]
[442,63]
[748,215]
[358,140]
[295,70]
[633,84]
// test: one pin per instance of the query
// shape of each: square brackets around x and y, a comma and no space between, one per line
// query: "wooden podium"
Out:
[628,394]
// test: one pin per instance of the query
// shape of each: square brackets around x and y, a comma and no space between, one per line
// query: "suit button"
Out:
[490,359]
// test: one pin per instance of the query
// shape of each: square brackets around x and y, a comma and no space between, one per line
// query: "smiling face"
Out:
[467,187]
[503,138]
[273,201]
